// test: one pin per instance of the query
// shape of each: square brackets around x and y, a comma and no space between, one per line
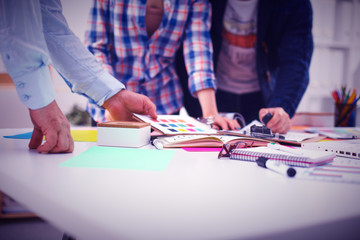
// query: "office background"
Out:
[335,62]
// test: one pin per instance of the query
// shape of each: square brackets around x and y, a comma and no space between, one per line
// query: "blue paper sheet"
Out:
[20,136]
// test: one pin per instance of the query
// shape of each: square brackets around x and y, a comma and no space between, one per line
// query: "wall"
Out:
[336,58]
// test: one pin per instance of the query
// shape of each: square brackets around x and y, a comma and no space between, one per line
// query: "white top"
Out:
[236,71]
[197,197]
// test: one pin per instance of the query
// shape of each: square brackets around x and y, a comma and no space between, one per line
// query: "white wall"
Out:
[336,58]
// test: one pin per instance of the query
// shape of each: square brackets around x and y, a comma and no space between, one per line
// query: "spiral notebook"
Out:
[308,158]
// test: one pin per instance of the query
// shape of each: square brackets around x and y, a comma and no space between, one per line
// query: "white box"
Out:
[123,134]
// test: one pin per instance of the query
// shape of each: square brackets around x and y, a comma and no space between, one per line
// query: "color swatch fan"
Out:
[176,124]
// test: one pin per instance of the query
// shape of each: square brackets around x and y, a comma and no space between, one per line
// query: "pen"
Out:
[156,143]
[284,148]
[276,166]
[267,118]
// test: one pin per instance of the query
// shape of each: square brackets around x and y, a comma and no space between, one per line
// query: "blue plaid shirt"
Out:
[118,38]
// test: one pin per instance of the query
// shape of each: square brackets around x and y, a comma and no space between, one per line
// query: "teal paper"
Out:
[20,136]
[121,158]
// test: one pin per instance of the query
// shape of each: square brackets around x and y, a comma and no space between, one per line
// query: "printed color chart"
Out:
[176,124]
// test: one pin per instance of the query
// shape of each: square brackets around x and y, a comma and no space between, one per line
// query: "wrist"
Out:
[115,98]
[207,120]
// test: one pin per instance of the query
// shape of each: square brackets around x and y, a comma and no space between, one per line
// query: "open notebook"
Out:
[207,141]
[308,158]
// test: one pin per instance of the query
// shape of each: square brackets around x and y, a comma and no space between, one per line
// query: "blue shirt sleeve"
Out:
[24,52]
[38,33]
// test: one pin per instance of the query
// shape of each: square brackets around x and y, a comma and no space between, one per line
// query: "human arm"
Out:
[288,53]
[72,60]
[208,104]
[83,73]
[99,39]
[25,56]
[199,63]
[80,68]
[293,56]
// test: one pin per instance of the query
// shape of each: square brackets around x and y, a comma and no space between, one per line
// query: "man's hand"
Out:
[280,122]
[122,105]
[50,122]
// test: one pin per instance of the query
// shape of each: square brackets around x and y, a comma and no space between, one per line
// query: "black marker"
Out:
[267,118]
[276,166]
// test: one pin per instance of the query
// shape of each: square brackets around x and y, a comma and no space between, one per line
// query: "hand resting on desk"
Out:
[50,122]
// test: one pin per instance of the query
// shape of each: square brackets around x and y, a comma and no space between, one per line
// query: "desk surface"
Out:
[196,197]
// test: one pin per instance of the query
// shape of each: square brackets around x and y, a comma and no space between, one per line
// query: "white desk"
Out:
[196,197]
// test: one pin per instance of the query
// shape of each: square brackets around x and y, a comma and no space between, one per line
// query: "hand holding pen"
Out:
[276,119]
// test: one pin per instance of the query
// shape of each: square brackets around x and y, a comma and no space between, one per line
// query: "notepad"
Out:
[309,158]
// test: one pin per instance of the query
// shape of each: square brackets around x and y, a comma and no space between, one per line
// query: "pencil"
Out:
[346,101]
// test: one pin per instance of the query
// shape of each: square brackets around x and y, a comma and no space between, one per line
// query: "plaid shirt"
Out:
[118,38]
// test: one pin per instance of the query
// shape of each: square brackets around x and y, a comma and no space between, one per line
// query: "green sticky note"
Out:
[121,158]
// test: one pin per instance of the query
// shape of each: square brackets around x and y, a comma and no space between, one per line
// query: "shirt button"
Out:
[20,85]
[25,97]
[167,3]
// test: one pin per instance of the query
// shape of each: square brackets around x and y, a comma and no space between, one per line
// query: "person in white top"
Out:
[262,55]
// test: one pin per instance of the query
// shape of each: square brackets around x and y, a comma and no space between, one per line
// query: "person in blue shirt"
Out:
[33,35]
[262,54]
